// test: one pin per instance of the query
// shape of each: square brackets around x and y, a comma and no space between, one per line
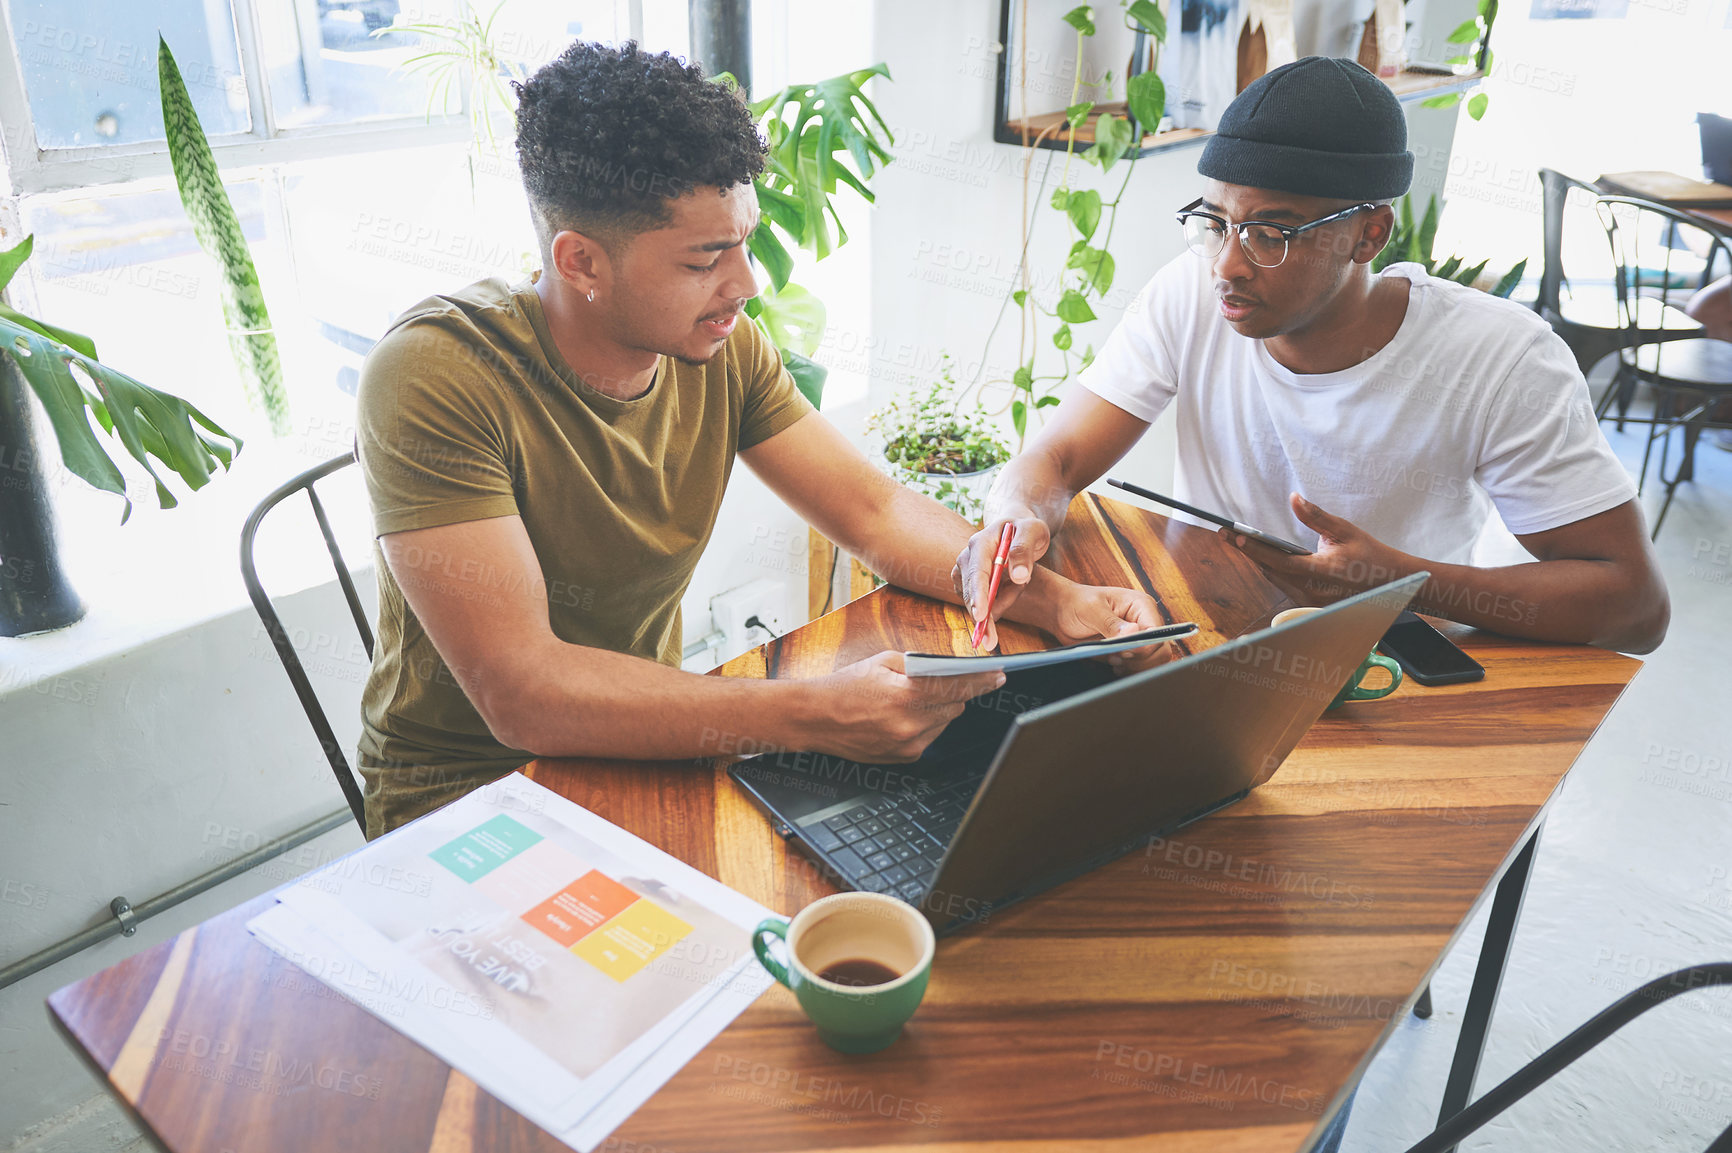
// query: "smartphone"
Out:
[1427,655]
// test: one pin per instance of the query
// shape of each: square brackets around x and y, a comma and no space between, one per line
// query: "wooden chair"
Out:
[280,637]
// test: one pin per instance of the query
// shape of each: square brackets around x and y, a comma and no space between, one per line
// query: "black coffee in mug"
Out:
[859,971]
[856,962]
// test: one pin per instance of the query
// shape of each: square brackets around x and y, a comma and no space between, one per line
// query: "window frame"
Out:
[29,169]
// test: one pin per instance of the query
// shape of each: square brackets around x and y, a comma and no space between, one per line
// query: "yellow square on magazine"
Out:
[638,935]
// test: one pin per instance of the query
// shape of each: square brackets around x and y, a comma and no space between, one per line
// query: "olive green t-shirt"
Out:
[467,411]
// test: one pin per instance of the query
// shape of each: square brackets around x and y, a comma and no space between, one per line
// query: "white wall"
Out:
[757,537]
[133,774]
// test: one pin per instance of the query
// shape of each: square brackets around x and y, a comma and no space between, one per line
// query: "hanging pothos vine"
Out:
[1087,275]
[1474,36]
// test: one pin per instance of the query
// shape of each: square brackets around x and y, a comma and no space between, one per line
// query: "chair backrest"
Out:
[1716,146]
[1554,192]
[280,637]
[1657,252]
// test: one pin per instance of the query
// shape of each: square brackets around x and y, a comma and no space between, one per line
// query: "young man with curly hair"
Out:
[546,459]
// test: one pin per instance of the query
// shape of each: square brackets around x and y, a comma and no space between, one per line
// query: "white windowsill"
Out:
[170,570]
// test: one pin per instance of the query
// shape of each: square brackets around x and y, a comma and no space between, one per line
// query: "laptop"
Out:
[1067,767]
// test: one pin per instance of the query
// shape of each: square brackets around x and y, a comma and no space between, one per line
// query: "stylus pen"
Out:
[1004,538]
[1269,539]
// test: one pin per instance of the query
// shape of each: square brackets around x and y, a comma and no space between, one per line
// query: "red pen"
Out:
[1004,539]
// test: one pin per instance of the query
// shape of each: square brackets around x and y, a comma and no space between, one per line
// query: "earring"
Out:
[590,296]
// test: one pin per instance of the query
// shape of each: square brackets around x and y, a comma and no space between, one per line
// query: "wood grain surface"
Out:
[1214,992]
[1719,219]
[1716,218]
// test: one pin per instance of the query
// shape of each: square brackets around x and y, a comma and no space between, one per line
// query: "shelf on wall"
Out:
[1408,86]
[1048,129]
[1412,85]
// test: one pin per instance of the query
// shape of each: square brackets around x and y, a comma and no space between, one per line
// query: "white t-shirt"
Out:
[1474,403]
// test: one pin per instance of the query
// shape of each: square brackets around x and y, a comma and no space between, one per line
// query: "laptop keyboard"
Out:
[892,844]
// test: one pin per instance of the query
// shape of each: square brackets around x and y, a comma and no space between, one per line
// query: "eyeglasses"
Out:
[1264,242]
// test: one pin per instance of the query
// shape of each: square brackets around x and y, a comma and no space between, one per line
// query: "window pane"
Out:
[90,68]
[342,61]
[124,268]
[326,66]
[373,235]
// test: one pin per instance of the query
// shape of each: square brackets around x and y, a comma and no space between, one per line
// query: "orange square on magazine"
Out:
[580,907]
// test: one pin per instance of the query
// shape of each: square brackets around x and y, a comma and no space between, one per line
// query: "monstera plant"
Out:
[811,131]
[61,368]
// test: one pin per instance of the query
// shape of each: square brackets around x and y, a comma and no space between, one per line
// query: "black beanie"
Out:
[1315,127]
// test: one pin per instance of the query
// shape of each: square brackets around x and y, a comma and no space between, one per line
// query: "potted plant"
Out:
[930,443]
[61,368]
[1411,242]
[1090,268]
[810,129]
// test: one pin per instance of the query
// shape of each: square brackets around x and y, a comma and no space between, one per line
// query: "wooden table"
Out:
[1715,217]
[1218,991]
[1719,219]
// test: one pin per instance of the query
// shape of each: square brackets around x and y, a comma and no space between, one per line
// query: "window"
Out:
[340,62]
[123,267]
[90,75]
[354,205]
[272,80]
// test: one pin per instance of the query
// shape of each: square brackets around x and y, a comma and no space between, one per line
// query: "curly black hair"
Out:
[607,137]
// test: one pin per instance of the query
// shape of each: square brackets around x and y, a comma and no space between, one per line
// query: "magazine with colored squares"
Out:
[546,953]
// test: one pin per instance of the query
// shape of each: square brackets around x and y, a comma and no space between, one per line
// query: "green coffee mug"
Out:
[1353,690]
[837,943]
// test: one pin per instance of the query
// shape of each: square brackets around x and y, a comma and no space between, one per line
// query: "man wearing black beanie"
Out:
[1408,407]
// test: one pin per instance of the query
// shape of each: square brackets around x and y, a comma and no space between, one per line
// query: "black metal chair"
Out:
[280,637]
[1452,1127]
[1588,321]
[1716,134]
[1659,253]
[1456,1117]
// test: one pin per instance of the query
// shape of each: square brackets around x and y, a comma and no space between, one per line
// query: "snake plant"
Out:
[219,233]
[1410,241]
[62,369]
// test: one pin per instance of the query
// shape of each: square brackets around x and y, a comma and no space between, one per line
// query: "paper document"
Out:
[564,965]
[941,665]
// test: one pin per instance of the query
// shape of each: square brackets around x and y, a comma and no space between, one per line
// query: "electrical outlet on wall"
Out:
[761,600]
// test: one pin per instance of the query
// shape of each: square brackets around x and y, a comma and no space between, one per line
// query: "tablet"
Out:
[944,665]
